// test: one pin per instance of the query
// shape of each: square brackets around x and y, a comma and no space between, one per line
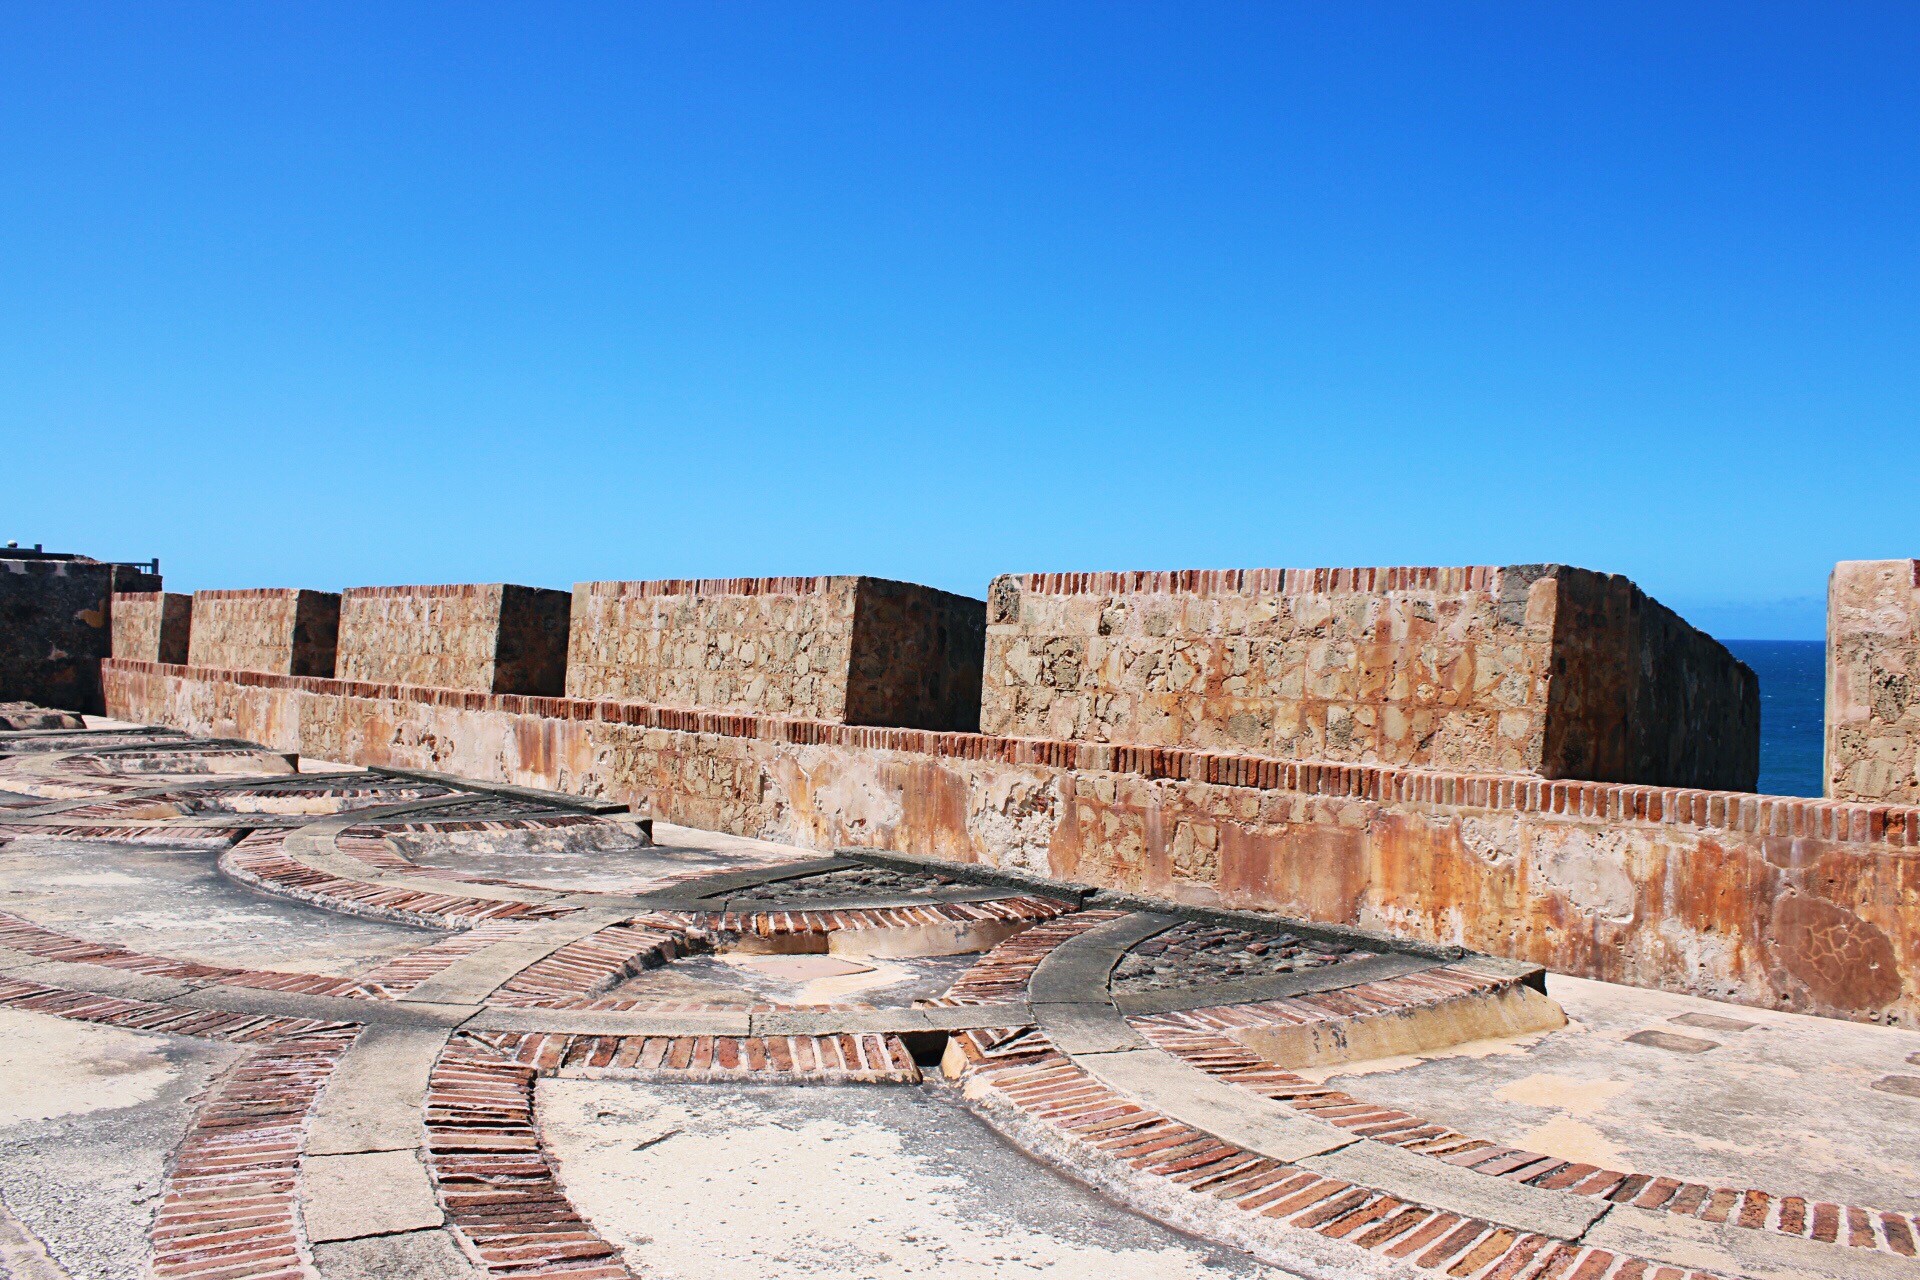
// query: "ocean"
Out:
[1793,696]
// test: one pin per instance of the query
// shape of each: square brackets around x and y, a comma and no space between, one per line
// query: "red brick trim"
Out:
[1897,826]
[495,1180]
[256,593]
[228,1210]
[141,597]
[24,935]
[403,973]
[443,590]
[864,1058]
[1002,974]
[1197,1038]
[1484,579]
[776,923]
[712,587]
[1112,1135]
[144,1015]
[592,965]
[261,861]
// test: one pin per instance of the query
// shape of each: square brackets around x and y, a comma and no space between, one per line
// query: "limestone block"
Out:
[1873,697]
[489,638]
[854,650]
[152,626]
[277,630]
[1540,669]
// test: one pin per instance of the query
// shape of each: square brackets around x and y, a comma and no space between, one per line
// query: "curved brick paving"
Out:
[393,1109]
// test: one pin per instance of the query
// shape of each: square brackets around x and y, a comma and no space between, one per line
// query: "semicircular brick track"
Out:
[387,1114]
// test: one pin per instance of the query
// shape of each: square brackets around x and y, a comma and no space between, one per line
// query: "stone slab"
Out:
[1077,970]
[372,1193]
[472,978]
[408,1255]
[374,1098]
[1196,1099]
[589,1022]
[294,1004]
[1086,1027]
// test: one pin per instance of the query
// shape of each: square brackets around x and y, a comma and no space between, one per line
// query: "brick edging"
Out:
[1484,579]
[1190,1038]
[1030,1091]
[228,1209]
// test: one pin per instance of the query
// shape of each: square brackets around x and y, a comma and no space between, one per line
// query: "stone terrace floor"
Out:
[273,1018]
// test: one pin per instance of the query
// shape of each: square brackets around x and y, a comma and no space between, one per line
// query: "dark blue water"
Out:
[1793,699]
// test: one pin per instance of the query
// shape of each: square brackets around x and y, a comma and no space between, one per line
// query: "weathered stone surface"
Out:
[1540,669]
[852,650]
[55,626]
[490,637]
[152,626]
[276,630]
[1770,901]
[1873,681]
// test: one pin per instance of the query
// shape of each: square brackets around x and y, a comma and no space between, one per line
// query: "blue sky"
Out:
[333,295]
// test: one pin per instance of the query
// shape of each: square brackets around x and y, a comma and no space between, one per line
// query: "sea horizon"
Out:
[1793,693]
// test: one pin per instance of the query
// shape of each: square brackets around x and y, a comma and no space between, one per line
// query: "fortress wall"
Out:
[1539,669]
[152,626]
[275,630]
[844,649]
[1873,681]
[491,637]
[1771,901]
[56,624]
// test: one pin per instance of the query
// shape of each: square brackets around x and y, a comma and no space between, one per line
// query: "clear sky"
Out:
[336,295]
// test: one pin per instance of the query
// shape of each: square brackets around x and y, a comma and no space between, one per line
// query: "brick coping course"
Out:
[1483,579]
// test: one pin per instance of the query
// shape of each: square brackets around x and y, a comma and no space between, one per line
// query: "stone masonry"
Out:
[279,631]
[851,650]
[1774,901]
[490,638]
[55,613]
[1873,681]
[1540,669]
[152,626]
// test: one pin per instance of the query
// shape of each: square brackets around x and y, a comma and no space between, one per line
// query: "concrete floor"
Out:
[742,980]
[167,897]
[1786,1105]
[88,1117]
[714,1182]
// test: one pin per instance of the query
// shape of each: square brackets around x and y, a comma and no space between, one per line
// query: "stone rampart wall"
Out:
[1536,669]
[275,630]
[1771,901]
[152,626]
[55,626]
[489,637]
[1873,681]
[845,649]
[1639,695]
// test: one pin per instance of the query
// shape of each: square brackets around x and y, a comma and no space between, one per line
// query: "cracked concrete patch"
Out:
[725,1183]
[91,1114]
